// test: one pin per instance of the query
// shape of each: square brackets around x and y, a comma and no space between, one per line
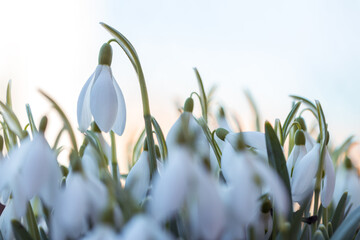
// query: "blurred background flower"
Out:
[273,48]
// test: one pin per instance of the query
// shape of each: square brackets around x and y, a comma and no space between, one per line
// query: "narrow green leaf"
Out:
[160,137]
[58,138]
[338,215]
[43,235]
[348,227]
[311,105]
[31,119]
[31,222]
[278,129]
[204,107]
[254,109]
[64,119]
[137,148]
[94,140]
[19,231]
[277,159]
[296,221]
[8,95]
[288,121]
[11,120]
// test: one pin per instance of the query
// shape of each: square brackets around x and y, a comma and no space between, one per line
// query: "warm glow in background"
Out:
[272,48]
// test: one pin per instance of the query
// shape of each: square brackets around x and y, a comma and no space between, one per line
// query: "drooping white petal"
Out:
[143,227]
[101,232]
[309,141]
[277,189]
[227,158]
[211,213]
[169,190]
[120,121]
[5,221]
[20,200]
[103,100]
[83,104]
[329,180]
[297,153]
[137,182]
[304,174]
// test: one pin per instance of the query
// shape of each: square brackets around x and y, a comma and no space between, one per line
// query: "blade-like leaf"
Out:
[31,119]
[348,227]
[160,137]
[137,148]
[311,105]
[204,107]
[11,120]
[8,95]
[277,159]
[19,231]
[31,222]
[338,215]
[254,109]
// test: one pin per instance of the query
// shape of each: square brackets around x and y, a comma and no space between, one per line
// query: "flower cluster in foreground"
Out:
[204,180]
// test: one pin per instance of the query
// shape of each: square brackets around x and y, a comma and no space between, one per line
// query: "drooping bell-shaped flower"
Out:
[187,120]
[304,175]
[138,179]
[31,170]
[101,98]
[309,140]
[297,153]
[347,180]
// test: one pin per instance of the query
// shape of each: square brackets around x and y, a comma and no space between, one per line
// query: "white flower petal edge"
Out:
[103,100]
[120,120]
[83,105]
[329,180]
[138,180]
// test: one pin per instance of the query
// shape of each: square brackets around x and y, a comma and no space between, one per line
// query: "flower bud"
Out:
[301,121]
[43,124]
[221,133]
[105,55]
[189,105]
[300,137]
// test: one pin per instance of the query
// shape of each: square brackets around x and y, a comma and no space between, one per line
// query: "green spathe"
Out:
[105,54]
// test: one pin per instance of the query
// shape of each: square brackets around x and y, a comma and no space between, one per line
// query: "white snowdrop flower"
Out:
[102,232]
[309,140]
[347,180]
[186,119]
[138,179]
[245,172]
[101,98]
[5,220]
[144,227]
[83,199]
[31,169]
[304,175]
[297,153]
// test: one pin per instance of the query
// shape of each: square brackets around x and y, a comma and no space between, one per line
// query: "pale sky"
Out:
[272,48]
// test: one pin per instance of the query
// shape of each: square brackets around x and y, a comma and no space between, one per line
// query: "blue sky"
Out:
[272,48]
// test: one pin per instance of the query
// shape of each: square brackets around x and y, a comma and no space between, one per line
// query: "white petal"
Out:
[310,141]
[298,152]
[120,121]
[329,180]
[137,182]
[5,221]
[304,174]
[169,190]
[252,139]
[103,100]
[83,104]
[227,162]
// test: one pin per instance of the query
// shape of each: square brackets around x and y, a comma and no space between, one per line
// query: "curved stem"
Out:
[114,162]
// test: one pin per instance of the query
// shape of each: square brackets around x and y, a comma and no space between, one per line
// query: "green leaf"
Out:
[277,159]
[95,141]
[296,220]
[31,222]
[254,109]
[160,137]
[137,148]
[19,231]
[11,120]
[348,227]
[64,119]
[204,107]
[8,95]
[312,107]
[43,235]
[288,121]
[338,215]
[278,129]
[31,119]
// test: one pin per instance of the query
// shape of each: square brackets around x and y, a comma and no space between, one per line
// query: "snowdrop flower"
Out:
[101,98]
[5,220]
[31,169]
[304,175]
[186,119]
[101,232]
[144,227]
[245,172]
[347,180]
[297,153]
[83,199]
[138,179]
[309,141]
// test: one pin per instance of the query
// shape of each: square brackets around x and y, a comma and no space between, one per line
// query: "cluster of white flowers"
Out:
[193,184]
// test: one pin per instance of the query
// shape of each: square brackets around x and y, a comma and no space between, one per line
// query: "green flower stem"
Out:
[130,51]
[316,203]
[31,222]
[113,157]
